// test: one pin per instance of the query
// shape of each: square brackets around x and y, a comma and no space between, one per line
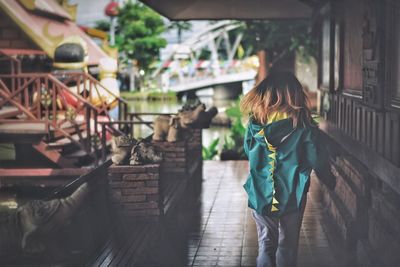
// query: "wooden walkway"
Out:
[212,226]
[125,245]
[225,234]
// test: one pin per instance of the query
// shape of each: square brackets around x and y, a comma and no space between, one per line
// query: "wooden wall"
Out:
[363,103]
[11,36]
[360,102]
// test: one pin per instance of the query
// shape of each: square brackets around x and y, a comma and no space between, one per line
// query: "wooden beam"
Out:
[16,104]
[53,155]
[44,172]
[230,9]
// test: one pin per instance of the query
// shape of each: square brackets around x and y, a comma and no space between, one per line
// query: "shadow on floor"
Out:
[214,227]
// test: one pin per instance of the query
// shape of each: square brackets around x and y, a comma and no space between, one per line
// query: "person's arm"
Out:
[317,156]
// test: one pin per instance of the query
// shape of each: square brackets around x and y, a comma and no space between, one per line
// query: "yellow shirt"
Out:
[276,116]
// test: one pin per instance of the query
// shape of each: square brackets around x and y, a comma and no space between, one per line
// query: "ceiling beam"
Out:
[230,9]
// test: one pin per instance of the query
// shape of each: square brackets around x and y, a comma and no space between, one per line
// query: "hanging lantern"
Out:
[111,9]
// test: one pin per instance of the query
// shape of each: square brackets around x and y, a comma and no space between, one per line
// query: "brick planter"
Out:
[174,157]
[134,191]
[181,158]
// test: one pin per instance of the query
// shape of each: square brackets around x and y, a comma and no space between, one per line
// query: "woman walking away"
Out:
[282,143]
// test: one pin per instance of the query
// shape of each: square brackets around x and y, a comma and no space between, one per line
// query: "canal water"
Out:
[209,134]
[205,96]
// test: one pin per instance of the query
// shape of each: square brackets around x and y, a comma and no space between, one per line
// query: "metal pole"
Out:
[112,31]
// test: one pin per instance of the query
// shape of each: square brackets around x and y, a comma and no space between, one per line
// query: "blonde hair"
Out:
[279,92]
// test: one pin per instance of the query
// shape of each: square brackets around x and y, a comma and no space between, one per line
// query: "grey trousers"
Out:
[278,238]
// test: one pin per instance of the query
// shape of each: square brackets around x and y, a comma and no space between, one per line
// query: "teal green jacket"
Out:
[281,159]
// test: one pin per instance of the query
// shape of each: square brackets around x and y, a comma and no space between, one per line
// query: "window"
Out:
[326,52]
[337,75]
[353,47]
[325,58]
[393,54]
[396,53]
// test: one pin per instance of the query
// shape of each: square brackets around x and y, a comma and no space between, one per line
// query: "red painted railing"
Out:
[91,89]
[42,97]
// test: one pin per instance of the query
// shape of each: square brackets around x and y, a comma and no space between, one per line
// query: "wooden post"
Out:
[125,110]
[263,68]
[87,116]
[103,142]
[119,110]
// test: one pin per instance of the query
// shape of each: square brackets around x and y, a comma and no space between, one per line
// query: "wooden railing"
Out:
[91,89]
[15,64]
[41,97]
[45,97]
[137,116]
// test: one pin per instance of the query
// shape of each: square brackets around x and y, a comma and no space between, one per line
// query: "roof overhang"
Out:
[21,52]
[230,9]
[47,32]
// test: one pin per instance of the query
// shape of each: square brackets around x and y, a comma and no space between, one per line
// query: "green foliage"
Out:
[138,33]
[211,151]
[229,144]
[103,25]
[180,27]
[204,54]
[234,141]
[279,37]
[233,111]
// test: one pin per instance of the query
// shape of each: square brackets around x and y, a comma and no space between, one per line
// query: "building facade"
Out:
[359,82]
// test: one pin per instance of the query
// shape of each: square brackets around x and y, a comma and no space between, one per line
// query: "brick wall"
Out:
[181,158]
[174,157]
[195,146]
[146,192]
[134,191]
[365,212]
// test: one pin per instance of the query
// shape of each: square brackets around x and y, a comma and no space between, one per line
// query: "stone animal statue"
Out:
[205,118]
[188,117]
[198,118]
[121,147]
[168,128]
[144,153]
[190,105]
[172,128]
[31,230]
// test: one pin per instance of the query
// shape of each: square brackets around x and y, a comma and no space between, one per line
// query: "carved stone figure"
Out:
[121,147]
[167,128]
[144,153]
[198,118]
[31,230]
[190,116]
[172,128]
[190,106]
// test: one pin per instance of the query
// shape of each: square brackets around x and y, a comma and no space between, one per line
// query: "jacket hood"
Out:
[275,132]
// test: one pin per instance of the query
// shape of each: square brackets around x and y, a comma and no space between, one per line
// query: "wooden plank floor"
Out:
[124,246]
[214,228]
[225,234]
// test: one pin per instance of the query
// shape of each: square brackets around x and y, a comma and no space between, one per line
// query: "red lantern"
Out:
[111,9]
